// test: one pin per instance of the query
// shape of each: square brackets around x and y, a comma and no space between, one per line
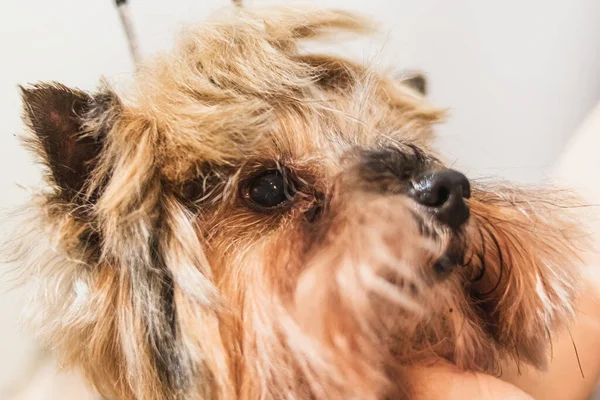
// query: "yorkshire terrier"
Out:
[255,221]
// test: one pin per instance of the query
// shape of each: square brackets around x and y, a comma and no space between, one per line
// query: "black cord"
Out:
[120,2]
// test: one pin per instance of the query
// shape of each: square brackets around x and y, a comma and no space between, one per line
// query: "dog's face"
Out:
[258,222]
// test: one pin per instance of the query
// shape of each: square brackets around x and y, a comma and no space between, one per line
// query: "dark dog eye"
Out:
[269,189]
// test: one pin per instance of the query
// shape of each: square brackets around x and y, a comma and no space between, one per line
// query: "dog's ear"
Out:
[66,131]
[416,81]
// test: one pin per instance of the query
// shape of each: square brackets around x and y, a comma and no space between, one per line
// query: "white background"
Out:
[517,75]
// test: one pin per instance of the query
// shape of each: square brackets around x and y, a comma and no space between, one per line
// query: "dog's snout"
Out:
[444,191]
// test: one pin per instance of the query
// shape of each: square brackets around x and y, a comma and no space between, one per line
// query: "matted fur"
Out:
[159,280]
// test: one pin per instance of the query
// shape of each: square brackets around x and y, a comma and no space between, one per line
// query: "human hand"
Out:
[446,382]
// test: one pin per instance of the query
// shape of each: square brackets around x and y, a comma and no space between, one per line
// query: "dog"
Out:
[252,220]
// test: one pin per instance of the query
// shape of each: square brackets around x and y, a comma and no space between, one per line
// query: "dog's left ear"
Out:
[67,132]
[416,81]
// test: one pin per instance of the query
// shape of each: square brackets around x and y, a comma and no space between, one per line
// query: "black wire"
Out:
[120,2]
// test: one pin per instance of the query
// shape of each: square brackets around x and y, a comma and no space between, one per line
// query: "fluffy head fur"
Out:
[161,278]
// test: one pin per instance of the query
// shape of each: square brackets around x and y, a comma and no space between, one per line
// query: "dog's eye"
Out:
[269,189]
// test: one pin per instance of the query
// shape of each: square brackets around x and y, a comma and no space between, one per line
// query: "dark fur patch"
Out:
[162,323]
[388,170]
[333,74]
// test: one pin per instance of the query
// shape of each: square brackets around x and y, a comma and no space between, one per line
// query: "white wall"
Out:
[517,75]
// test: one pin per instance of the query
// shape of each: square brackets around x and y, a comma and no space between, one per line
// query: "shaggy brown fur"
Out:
[161,276]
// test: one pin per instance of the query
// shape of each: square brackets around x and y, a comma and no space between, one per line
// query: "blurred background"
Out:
[517,76]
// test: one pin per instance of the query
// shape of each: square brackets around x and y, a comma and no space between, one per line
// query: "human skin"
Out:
[446,382]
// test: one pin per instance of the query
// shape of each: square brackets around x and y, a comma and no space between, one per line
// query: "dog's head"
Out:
[255,221]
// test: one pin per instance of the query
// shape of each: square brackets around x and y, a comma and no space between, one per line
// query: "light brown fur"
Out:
[159,280]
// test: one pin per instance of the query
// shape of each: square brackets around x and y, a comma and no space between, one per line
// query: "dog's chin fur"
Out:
[160,279]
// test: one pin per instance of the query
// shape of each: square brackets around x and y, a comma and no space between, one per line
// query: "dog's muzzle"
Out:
[441,191]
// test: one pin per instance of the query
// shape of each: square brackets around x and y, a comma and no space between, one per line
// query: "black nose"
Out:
[444,192]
